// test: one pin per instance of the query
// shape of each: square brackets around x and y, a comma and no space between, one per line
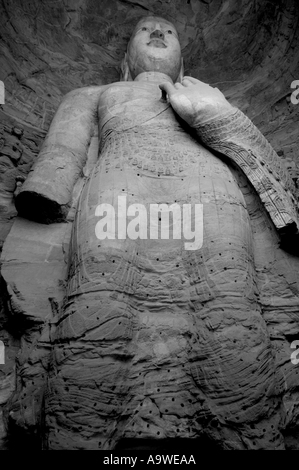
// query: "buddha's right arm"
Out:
[46,194]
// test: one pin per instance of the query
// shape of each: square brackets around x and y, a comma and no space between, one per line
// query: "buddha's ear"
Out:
[125,75]
[181,74]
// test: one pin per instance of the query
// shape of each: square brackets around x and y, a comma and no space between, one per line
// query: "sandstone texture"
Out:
[152,344]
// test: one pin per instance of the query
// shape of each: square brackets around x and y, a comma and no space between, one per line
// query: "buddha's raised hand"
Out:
[196,102]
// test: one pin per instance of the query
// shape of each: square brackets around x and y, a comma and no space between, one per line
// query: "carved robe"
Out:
[154,341]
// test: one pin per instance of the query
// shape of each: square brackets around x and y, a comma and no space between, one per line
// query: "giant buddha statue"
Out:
[156,343]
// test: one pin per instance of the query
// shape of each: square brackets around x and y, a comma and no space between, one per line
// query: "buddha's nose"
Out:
[157,34]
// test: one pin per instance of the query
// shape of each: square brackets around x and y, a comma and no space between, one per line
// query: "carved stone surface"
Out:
[198,346]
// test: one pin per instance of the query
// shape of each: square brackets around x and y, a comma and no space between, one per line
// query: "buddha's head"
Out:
[153,47]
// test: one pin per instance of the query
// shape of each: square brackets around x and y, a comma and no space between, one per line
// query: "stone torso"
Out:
[139,131]
[147,155]
[149,330]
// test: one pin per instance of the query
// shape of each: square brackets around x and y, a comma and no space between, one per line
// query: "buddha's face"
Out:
[154,47]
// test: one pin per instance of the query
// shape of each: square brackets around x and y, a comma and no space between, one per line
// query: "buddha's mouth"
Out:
[157,43]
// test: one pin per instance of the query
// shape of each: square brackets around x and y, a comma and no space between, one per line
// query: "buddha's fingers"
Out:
[168,87]
[186,82]
[194,80]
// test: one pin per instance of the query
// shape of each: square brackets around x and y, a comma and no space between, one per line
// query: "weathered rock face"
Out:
[168,373]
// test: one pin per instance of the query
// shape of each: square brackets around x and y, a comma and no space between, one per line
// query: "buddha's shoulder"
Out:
[98,90]
[88,91]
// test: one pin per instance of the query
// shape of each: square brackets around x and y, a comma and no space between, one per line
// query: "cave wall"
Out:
[248,48]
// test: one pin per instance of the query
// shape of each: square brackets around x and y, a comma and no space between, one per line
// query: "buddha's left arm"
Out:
[227,130]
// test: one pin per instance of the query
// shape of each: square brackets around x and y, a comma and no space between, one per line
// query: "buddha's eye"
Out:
[169,31]
[144,28]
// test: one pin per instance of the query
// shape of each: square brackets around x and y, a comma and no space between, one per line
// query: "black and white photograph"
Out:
[149,228]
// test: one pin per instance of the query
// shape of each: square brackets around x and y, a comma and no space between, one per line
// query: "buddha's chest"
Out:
[126,105]
[139,131]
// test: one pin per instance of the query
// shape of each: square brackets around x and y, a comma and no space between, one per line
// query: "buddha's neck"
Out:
[154,77]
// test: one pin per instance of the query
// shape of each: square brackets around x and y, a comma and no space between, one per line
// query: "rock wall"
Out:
[249,49]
